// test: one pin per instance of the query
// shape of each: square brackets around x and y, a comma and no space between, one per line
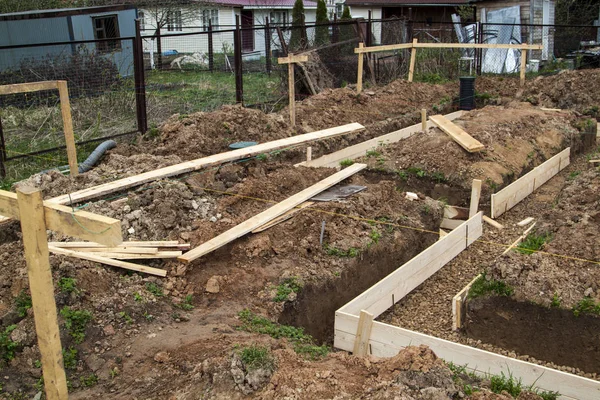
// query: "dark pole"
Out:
[211,59]
[479,52]
[282,41]
[368,39]
[268,45]
[140,89]
[159,48]
[334,37]
[2,152]
[237,59]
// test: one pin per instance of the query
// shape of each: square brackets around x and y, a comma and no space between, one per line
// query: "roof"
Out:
[415,3]
[264,3]
[62,12]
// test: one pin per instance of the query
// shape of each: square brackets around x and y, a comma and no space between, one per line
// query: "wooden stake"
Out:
[359,75]
[292,93]
[65,108]
[523,65]
[413,57]
[35,241]
[493,223]
[309,153]
[475,194]
[424,119]
[363,334]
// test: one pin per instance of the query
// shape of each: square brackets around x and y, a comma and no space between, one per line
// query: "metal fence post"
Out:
[237,59]
[211,52]
[479,52]
[2,152]
[140,88]
[334,36]
[368,39]
[268,45]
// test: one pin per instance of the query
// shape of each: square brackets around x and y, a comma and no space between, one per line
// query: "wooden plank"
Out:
[39,273]
[594,161]
[308,153]
[135,256]
[80,224]
[129,243]
[137,250]
[292,58]
[424,119]
[387,341]
[413,59]
[443,233]
[363,333]
[526,221]
[457,305]
[512,194]
[459,135]
[387,47]
[332,160]
[28,87]
[522,237]
[475,194]
[523,65]
[283,217]
[402,281]
[65,109]
[455,212]
[194,165]
[269,214]
[292,93]
[359,74]
[400,46]
[451,223]
[492,222]
[108,261]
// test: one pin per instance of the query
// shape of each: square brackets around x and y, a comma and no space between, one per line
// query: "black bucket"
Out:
[467,93]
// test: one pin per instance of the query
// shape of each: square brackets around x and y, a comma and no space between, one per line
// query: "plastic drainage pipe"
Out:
[96,155]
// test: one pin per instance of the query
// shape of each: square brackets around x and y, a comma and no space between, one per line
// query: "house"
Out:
[68,25]
[222,15]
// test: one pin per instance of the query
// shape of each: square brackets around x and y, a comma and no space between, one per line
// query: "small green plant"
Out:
[586,306]
[547,395]
[152,132]
[68,285]
[114,372]
[373,153]
[23,303]
[76,322]
[303,343]
[70,358]
[573,175]
[287,287]
[126,317]
[149,317]
[137,297]
[186,304]
[556,300]
[533,243]
[37,363]
[402,174]
[375,236]
[334,251]
[483,286]
[154,289]
[500,383]
[255,357]
[346,163]
[89,380]
[262,157]
[7,346]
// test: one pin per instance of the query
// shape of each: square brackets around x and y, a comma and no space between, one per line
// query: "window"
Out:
[106,27]
[279,18]
[211,16]
[142,19]
[174,21]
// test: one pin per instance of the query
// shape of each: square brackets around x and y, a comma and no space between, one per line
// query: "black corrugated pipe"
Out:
[96,155]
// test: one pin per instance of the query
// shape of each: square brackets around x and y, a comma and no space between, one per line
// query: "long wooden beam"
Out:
[80,224]
[269,214]
[28,87]
[129,243]
[400,46]
[461,137]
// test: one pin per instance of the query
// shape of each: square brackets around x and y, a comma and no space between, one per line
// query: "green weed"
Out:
[555,303]
[483,286]
[287,287]
[126,317]
[7,346]
[334,251]
[586,306]
[262,157]
[68,285]
[255,357]
[375,236]
[373,153]
[500,383]
[303,343]
[186,304]
[154,289]
[346,163]
[76,322]
[70,358]
[533,243]
[23,303]
[88,381]
[573,175]
[137,297]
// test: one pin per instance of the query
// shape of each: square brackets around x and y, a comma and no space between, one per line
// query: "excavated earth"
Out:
[181,337]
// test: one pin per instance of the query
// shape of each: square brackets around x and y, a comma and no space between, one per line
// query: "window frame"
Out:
[212,15]
[284,14]
[174,21]
[106,46]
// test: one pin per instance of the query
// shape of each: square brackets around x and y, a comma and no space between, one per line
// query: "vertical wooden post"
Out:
[475,194]
[33,225]
[523,65]
[424,119]
[2,152]
[360,70]
[65,108]
[292,91]
[309,153]
[413,56]
[363,334]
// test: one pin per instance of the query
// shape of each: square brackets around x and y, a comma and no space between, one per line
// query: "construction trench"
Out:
[366,236]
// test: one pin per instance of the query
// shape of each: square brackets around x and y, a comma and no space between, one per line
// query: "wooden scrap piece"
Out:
[458,302]
[526,221]
[457,134]
[284,217]
[493,223]
[475,195]
[135,256]
[269,214]
[363,333]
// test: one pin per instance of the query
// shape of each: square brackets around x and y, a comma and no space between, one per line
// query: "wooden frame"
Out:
[387,340]
[290,60]
[65,108]
[360,50]
[512,194]
[458,302]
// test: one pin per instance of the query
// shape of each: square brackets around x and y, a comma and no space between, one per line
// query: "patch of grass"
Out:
[23,303]
[126,317]
[587,305]
[483,286]
[67,285]
[154,289]
[334,251]
[287,287]
[89,380]
[186,304]
[255,357]
[76,322]
[373,153]
[346,163]
[137,297]
[500,383]
[375,236]
[556,300]
[70,358]
[7,346]
[547,395]
[573,175]
[262,157]
[533,243]
[303,343]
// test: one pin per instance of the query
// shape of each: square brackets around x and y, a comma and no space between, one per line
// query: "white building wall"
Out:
[363,12]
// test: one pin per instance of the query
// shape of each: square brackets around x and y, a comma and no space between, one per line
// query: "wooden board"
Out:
[512,194]
[475,195]
[387,341]
[194,165]
[458,302]
[451,224]
[391,289]
[135,256]
[363,333]
[493,223]
[284,217]
[65,109]
[332,160]
[457,134]
[389,47]
[126,250]
[129,243]
[28,87]
[80,224]
[108,261]
[269,214]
